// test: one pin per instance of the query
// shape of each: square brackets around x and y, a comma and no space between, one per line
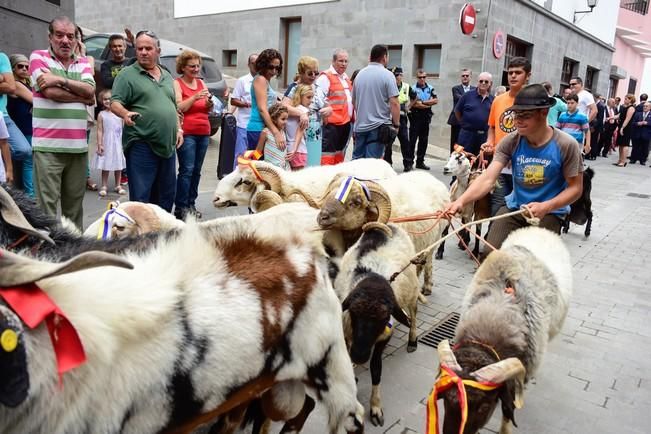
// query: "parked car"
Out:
[97,46]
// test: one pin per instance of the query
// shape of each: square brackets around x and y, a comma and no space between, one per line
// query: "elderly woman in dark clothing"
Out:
[19,107]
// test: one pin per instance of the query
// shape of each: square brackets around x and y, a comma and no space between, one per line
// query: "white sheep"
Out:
[166,340]
[369,301]
[238,187]
[128,219]
[406,195]
[516,302]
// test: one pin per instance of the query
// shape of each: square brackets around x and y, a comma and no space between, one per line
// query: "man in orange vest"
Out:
[337,87]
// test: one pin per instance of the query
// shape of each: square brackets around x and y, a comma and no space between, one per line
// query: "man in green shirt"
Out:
[143,96]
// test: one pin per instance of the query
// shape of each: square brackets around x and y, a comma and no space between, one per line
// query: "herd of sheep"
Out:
[236,322]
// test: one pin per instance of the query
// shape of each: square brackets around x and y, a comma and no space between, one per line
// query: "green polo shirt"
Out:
[139,92]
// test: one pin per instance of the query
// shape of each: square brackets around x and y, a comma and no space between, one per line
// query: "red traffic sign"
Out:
[467,19]
[499,44]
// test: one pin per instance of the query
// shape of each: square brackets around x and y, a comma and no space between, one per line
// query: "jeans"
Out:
[191,155]
[503,188]
[21,153]
[152,179]
[240,144]
[368,145]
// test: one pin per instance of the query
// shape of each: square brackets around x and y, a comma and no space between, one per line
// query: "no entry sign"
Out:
[467,19]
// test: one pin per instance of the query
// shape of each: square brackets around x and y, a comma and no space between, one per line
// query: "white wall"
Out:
[600,23]
[645,85]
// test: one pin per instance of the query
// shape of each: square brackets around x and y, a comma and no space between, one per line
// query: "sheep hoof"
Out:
[426,291]
[412,346]
[377,416]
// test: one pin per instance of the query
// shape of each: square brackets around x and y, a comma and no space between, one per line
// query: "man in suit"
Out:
[597,128]
[611,117]
[457,91]
[640,107]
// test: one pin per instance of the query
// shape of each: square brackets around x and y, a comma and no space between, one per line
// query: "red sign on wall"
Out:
[467,19]
[499,44]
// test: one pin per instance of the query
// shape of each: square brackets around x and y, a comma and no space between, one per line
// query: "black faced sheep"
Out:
[581,210]
[516,302]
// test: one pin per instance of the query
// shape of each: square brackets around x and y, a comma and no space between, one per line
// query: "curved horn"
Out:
[305,196]
[379,226]
[18,270]
[271,176]
[446,356]
[381,200]
[144,216]
[501,371]
[265,199]
[12,214]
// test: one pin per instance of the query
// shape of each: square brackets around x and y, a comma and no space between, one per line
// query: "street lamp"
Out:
[591,5]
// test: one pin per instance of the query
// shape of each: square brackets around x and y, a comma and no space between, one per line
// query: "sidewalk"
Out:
[596,375]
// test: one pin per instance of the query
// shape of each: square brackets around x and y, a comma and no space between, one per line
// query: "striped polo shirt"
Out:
[58,126]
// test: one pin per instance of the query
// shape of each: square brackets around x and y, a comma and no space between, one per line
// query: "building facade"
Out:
[23,23]
[420,33]
[632,48]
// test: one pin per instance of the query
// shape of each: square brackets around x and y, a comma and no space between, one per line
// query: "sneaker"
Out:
[124,180]
[422,166]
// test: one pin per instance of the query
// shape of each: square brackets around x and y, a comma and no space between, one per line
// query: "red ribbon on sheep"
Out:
[34,306]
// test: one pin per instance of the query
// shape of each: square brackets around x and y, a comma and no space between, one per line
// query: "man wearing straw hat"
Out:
[547,169]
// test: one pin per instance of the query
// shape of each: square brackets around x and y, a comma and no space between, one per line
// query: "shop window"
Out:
[229,58]
[428,57]
[395,56]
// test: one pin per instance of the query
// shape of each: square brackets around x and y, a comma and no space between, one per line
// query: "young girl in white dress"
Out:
[109,156]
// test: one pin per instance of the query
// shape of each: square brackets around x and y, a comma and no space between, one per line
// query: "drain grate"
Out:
[639,195]
[443,330]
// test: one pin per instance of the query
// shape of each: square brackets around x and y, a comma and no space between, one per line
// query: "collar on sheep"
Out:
[446,380]
[107,220]
[33,306]
[248,160]
[346,186]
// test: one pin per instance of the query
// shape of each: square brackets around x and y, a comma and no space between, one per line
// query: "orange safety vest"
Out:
[338,100]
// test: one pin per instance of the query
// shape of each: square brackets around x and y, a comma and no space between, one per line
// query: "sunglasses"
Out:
[422,77]
[524,115]
[21,66]
[484,81]
[147,33]
[312,74]
[274,67]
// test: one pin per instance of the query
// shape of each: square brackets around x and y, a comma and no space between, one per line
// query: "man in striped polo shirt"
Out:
[63,86]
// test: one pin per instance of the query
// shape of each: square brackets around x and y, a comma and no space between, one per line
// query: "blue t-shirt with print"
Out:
[5,67]
[537,175]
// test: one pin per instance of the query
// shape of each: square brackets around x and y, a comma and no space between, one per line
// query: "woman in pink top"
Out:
[193,100]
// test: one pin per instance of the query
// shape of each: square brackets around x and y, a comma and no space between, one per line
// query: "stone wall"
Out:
[23,24]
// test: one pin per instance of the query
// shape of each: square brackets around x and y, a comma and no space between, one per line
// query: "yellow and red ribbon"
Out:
[34,306]
[447,379]
[248,160]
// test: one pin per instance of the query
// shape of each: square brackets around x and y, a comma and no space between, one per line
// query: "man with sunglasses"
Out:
[547,169]
[457,93]
[143,96]
[472,112]
[421,117]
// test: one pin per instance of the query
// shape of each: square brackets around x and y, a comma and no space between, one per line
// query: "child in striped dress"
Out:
[267,143]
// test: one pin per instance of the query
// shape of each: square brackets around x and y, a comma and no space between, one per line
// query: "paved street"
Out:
[596,375]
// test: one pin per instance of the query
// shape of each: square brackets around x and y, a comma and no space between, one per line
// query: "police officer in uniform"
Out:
[421,116]
[405,94]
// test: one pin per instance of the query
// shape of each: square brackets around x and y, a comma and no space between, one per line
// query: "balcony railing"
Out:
[638,6]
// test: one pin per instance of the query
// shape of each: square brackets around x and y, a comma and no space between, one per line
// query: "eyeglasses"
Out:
[465,75]
[524,115]
[484,81]
[422,77]
[312,73]
[22,66]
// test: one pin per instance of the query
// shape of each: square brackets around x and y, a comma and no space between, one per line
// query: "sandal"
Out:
[90,185]
[119,190]
[620,164]
[102,191]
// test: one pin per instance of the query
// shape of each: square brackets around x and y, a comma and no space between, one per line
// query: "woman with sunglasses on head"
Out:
[268,65]
[194,101]
[19,107]
[308,71]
